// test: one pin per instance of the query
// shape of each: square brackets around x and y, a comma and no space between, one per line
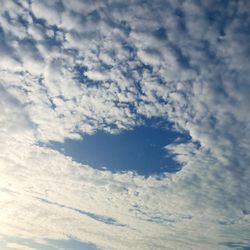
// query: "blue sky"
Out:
[141,150]
[124,124]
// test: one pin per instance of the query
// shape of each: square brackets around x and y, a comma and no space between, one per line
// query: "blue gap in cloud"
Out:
[140,150]
[80,77]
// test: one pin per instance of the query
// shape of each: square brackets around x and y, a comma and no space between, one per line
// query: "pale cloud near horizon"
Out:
[75,67]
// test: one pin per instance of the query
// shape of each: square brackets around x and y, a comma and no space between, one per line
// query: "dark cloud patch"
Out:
[101,218]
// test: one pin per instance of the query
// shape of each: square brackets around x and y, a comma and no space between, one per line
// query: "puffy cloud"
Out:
[47,10]
[75,67]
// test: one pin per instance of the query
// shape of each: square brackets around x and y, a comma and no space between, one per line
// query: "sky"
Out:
[141,150]
[124,124]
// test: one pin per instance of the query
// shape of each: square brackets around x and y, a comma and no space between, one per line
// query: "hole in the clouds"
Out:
[140,150]
[79,76]
[160,33]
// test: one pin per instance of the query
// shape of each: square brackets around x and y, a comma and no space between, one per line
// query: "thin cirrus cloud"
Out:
[70,68]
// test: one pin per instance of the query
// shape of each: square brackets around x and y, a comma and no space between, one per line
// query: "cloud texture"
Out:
[75,67]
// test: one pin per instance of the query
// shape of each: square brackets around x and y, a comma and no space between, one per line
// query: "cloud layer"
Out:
[75,67]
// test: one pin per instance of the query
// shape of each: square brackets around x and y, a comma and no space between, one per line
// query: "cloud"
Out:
[107,220]
[73,67]
[16,246]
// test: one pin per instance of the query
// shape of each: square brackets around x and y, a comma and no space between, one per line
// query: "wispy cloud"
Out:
[104,219]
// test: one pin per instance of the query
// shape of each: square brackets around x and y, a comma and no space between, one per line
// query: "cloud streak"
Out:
[107,220]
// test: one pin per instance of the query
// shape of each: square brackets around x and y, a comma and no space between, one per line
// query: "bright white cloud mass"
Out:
[70,68]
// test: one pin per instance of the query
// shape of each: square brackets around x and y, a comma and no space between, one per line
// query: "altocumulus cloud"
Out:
[74,67]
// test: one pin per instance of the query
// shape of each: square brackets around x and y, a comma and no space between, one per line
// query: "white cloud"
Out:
[197,77]
[47,10]
[97,75]
[16,246]
[150,57]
